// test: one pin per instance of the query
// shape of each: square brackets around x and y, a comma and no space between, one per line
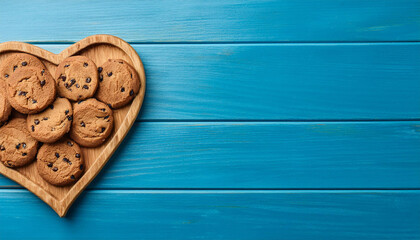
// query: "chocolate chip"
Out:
[106,117]
[22,93]
[122,89]
[14,68]
[66,85]
[49,164]
[102,109]
[83,124]
[66,160]
[24,63]
[81,167]
[57,155]
[100,69]
[66,112]
[51,106]
[69,143]
[102,130]
[77,85]
[24,154]
[34,101]
[18,146]
[68,65]
[85,87]
[88,80]
[73,81]
[120,62]
[72,177]
[2,148]
[70,118]
[101,78]
[36,121]
[80,96]
[55,169]
[45,118]
[85,64]
[6,75]
[42,83]
[63,78]
[33,128]
[77,155]
[131,75]
[131,92]
[109,74]
[24,145]
[42,72]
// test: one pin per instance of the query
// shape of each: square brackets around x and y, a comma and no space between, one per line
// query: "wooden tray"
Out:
[99,48]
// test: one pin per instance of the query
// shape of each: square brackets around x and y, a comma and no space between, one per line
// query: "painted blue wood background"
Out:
[262,120]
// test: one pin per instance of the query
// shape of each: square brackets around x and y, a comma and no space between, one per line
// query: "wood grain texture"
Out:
[384,155]
[99,48]
[280,81]
[212,21]
[217,215]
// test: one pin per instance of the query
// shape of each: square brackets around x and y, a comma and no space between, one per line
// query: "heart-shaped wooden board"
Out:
[99,48]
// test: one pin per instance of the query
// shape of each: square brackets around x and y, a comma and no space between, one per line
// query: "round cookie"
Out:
[92,123]
[30,90]
[17,146]
[77,78]
[17,61]
[5,108]
[51,124]
[60,163]
[118,83]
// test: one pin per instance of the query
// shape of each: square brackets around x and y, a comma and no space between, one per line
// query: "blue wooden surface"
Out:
[262,120]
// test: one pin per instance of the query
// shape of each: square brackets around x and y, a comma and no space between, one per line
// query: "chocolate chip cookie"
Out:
[77,78]
[5,108]
[60,163]
[30,90]
[16,61]
[51,124]
[17,146]
[92,122]
[118,83]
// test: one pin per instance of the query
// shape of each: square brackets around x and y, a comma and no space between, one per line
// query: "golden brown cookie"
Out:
[118,83]
[60,163]
[17,146]
[51,124]
[92,123]
[5,108]
[30,90]
[77,78]
[17,61]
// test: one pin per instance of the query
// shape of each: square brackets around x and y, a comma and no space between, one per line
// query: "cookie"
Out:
[60,163]
[16,61]
[17,146]
[5,108]
[92,123]
[51,124]
[118,83]
[30,90]
[77,78]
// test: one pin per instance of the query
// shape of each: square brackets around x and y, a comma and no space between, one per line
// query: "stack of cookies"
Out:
[58,114]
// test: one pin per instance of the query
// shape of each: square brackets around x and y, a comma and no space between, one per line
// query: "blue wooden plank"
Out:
[265,155]
[216,215]
[280,81]
[212,21]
